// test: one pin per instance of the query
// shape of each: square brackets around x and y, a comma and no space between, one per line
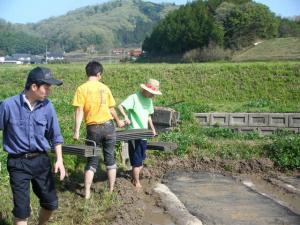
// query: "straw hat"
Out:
[152,86]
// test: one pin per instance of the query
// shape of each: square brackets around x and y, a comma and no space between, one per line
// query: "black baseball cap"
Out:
[42,75]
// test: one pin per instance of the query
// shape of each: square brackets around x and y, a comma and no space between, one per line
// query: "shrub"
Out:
[217,132]
[186,135]
[285,151]
[210,53]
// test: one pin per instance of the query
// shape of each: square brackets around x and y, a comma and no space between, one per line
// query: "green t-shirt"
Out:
[138,108]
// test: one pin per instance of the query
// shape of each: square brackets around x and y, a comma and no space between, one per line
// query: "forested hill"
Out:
[118,23]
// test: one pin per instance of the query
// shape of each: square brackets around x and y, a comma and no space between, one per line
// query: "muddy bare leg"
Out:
[111,173]
[136,176]
[44,216]
[88,179]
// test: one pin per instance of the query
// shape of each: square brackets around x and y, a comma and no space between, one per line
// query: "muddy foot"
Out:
[136,184]
[83,194]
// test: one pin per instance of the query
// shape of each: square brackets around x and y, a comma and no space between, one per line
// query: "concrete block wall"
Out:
[238,119]
[258,119]
[279,120]
[294,120]
[221,119]
[203,118]
[265,123]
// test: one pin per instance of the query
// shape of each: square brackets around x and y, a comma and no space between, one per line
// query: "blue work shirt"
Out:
[28,131]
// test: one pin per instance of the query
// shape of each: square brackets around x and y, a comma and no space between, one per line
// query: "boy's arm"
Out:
[119,122]
[152,126]
[78,120]
[122,110]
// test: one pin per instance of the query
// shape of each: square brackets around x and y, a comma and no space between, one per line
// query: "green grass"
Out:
[231,87]
[216,142]
[207,87]
[270,50]
[73,209]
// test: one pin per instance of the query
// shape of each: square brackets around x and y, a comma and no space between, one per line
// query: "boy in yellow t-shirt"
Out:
[94,102]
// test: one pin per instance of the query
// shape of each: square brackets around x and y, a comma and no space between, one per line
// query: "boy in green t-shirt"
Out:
[137,109]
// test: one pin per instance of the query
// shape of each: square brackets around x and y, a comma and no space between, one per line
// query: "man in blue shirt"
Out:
[30,128]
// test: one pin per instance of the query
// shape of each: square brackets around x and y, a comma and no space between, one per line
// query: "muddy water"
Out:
[218,199]
[285,197]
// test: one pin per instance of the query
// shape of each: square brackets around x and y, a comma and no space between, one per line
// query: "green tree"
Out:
[214,4]
[184,29]
[247,22]
[289,28]
[223,12]
[14,40]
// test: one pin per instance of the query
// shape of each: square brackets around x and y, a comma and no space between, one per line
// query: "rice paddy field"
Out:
[206,87]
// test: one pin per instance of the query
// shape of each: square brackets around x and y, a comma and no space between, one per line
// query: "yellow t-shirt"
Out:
[96,99]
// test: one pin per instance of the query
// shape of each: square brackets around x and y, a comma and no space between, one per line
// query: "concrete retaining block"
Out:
[294,120]
[278,120]
[258,119]
[247,129]
[294,130]
[203,118]
[238,119]
[267,130]
[220,119]
[175,118]
[162,117]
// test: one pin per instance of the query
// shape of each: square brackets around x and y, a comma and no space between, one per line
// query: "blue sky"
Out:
[31,11]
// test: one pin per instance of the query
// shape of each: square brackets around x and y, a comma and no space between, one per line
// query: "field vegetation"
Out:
[207,87]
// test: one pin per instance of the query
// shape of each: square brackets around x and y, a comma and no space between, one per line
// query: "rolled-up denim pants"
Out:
[105,136]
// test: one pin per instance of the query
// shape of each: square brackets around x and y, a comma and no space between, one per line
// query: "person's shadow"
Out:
[71,183]
[75,181]
[4,222]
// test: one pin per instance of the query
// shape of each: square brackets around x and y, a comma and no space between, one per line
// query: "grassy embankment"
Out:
[223,87]
[270,50]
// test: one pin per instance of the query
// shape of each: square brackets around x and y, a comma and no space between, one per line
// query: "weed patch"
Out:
[285,151]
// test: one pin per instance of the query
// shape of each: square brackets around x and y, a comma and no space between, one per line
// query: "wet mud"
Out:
[259,171]
[219,199]
[143,206]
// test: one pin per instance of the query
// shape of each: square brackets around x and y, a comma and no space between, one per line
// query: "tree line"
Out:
[14,40]
[225,24]
[92,29]
[229,24]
